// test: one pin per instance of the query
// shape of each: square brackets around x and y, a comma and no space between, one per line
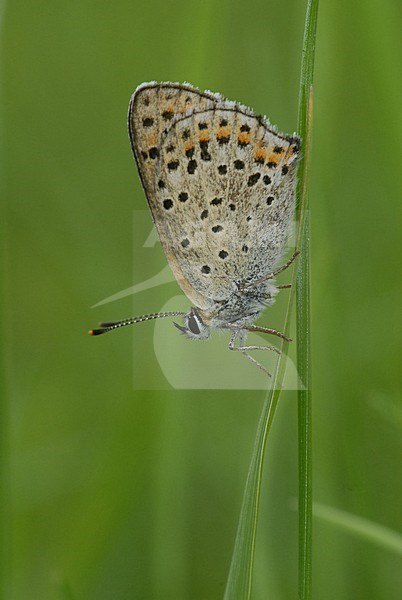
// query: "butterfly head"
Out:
[194,327]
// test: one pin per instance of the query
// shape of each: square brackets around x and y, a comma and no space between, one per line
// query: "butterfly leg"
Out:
[240,336]
[285,266]
[274,273]
[285,286]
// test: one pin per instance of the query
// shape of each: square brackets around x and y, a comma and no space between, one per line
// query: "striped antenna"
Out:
[111,325]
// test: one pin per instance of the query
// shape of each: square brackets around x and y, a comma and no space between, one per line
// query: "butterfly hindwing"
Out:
[220,184]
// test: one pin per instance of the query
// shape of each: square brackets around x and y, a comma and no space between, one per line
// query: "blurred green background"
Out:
[115,492]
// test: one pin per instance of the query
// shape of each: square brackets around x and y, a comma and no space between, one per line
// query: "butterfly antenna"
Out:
[106,326]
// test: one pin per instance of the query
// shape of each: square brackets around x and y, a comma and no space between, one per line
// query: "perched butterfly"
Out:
[220,183]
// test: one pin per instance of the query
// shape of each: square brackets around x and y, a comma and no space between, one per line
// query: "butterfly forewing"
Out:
[153,108]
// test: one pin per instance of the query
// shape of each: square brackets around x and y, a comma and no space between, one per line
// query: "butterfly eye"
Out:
[192,324]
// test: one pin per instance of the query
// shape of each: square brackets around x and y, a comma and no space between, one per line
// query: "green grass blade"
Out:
[304,419]
[303,309]
[360,527]
[239,580]
[240,574]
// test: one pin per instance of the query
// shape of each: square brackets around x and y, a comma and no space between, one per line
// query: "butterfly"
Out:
[220,183]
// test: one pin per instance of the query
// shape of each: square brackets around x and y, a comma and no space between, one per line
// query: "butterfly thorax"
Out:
[243,307]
